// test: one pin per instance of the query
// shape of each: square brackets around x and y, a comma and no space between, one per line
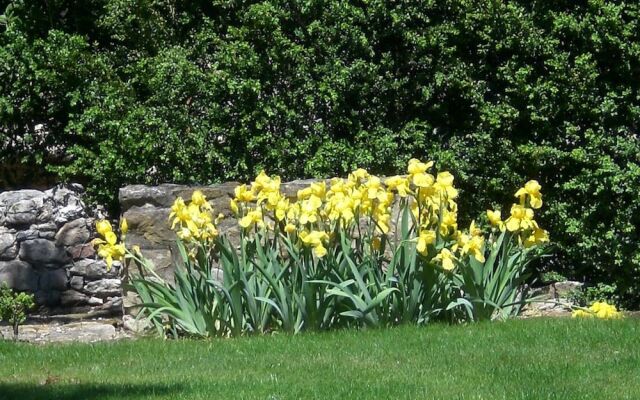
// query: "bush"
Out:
[14,307]
[590,294]
[337,257]
[213,91]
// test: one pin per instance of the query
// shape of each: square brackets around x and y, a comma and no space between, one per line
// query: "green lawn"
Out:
[524,359]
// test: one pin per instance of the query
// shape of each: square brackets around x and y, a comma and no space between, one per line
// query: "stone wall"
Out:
[45,249]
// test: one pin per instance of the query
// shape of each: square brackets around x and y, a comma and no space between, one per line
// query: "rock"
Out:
[290,189]
[73,233]
[65,196]
[229,226]
[76,282]
[45,231]
[24,212]
[557,290]
[46,227]
[114,304]
[42,251]
[92,269]
[47,297]
[104,287]
[8,245]
[85,332]
[11,197]
[46,211]
[162,261]
[29,234]
[140,195]
[18,275]
[55,332]
[164,195]
[94,301]
[68,213]
[54,279]
[67,204]
[81,251]
[73,298]
[149,227]
[136,325]
[47,235]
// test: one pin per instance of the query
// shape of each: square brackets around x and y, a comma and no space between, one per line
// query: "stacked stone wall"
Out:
[45,249]
[45,241]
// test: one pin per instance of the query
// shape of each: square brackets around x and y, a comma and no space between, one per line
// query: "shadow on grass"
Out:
[80,391]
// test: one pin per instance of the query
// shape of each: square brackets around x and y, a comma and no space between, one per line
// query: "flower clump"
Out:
[360,205]
[109,248]
[194,221]
[521,219]
[363,200]
[361,249]
[599,309]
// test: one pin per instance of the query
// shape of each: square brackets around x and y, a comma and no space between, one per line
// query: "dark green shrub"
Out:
[587,295]
[153,91]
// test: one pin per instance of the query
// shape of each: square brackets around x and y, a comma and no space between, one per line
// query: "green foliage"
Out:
[600,292]
[271,283]
[14,307]
[206,91]
[552,277]
[497,287]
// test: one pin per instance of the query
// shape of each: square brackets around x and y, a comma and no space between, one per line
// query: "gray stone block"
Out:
[76,282]
[92,269]
[47,297]
[18,275]
[24,212]
[8,245]
[81,251]
[104,287]
[149,227]
[163,196]
[162,261]
[42,251]
[29,234]
[73,298]
[55,279]
[10,197]
[73,233]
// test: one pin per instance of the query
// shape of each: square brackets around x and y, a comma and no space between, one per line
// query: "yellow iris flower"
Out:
[425,239]
[531,188]
[446,259]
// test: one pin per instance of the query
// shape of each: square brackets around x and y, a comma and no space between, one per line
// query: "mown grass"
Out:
[523,359]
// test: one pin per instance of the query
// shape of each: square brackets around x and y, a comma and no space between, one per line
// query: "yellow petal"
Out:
[447,264]
[521,192]
[111,238]
[421,247]
[478,255]
[234,206]
[320,251]
[103,227]
[513,224]
[124,226]
[536,202]
[245,221]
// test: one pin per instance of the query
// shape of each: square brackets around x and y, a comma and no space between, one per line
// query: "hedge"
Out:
[113,92]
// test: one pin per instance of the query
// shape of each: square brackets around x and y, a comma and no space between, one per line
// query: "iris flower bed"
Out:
[354,252]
